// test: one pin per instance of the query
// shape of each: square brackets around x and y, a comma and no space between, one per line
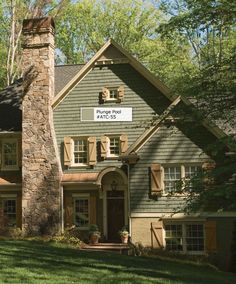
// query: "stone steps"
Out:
[112,247]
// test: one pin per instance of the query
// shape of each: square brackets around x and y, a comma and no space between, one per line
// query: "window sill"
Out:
[15,168]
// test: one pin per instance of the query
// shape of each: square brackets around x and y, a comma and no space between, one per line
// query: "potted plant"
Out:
[124,235]
[94,234]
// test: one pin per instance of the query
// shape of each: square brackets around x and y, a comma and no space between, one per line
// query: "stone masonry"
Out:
[41,172]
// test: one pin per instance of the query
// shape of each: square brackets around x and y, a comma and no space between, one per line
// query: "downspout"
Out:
[62,210]
[128,197]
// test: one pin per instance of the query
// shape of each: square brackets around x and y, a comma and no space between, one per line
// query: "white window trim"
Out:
[182,172]
[109,155]
[73,164]
[11,167]
[81,196]
[109,99]
[183,224]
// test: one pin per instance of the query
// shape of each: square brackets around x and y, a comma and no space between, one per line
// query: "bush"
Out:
[70,236]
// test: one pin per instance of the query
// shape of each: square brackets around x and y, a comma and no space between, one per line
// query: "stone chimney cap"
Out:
[38,24]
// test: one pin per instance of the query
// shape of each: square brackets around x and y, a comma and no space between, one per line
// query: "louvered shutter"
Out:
[123,143]
[157,234]
[105,94]
[156,176]
[92,151]
[121,93]
[210,236]
[93,211]
[19,152]
[68,211]
[67,151]
[104,146]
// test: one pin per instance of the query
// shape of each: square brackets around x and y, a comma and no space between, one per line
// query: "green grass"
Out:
[38,262]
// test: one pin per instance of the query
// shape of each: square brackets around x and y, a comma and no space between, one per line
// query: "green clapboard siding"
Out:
[168,145]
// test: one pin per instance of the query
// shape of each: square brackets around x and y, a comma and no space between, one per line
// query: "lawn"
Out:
[37,262]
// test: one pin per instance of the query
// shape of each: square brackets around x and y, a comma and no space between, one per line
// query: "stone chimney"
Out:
[41,171]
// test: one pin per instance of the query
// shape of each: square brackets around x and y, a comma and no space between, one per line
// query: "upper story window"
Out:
[9,154]
[176,177]
[113,145]
[80,151]
[113,94]
[172,178]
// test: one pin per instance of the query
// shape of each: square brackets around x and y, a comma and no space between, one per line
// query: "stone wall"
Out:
[41,172]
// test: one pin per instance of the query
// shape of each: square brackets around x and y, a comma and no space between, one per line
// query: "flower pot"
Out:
[94,238]
[124,239]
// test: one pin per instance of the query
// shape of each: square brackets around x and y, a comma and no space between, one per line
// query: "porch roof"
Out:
[80,178]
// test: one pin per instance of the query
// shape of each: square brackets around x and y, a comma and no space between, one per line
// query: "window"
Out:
[194,237]
[176,177]
[113,145]
[9,154]
[9,209]
[174,237]
[187,237]
[80,151]
[81,210]
[190,173]
[113,94]
[171,177]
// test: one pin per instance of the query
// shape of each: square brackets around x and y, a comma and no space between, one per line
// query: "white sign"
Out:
[113,114]
[106,114]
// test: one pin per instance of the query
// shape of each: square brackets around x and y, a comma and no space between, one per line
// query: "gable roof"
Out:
[11,97]
[68,76]
[10,107]
[112,52]
[63,75]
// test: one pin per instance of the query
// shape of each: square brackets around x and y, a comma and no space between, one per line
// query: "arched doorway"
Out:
[115,206]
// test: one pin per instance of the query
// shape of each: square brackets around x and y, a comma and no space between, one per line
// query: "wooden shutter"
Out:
[121,93]
[210,236]
[123,143]
[69,211]
[93,212]
[105,94]
[92,151]
[19,152]
[157,234]
[155,177]
[104,146]
[67,151]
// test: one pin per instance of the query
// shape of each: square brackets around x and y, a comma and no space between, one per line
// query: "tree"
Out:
[12,13]
[208,28]
[91,23]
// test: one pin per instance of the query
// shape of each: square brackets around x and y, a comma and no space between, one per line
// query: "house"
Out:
[78,148]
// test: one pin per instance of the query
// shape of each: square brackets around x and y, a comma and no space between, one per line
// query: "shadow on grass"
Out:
[37,262]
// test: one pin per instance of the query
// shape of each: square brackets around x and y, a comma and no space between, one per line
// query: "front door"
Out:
[115,214]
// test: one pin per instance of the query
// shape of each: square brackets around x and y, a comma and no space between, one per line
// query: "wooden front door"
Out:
[115,214]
